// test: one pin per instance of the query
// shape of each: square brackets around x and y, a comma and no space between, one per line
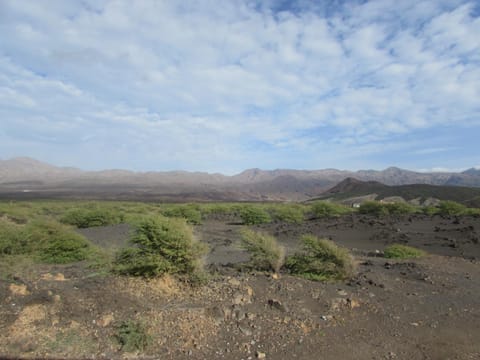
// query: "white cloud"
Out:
[196,84]
[442,170]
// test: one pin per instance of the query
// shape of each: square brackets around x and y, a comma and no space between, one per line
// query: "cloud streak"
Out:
[224,86]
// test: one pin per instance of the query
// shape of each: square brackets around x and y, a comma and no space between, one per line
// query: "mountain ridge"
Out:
[351,190]
[25,174]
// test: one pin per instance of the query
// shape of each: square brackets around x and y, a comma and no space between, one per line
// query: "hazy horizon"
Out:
[221,87]
[437,170]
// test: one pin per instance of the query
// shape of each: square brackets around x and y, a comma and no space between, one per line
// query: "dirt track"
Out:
[421,309]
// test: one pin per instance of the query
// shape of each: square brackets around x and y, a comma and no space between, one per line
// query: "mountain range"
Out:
[30,178]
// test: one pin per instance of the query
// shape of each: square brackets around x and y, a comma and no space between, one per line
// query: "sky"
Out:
[222,86]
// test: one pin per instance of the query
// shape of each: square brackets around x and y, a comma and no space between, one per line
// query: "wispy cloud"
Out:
[221,86]
[432,150]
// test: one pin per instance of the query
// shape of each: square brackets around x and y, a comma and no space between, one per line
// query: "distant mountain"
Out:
[26,177]
[23,169]
[351,188]
[472,172]
[466,178]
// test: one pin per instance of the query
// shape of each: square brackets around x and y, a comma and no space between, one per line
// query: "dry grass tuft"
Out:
[265,252]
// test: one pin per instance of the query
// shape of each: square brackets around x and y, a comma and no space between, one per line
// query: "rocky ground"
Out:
[426,308]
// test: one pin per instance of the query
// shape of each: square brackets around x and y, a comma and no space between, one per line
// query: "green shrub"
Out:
[46,240]
[56,243]
[320,260]
[373,208]
[472,211]
[322,209]
[265,252]
[85,218]
[430,210]
[217,208]
[398,251]
[400,208]
[252,215]
[18,212]
[132,336]
[135,262]
[65,247]
[189,212]
[451,208]
[12,240]
[288,213]
[161,245]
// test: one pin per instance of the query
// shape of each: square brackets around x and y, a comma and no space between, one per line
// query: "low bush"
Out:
[472,211]
[55,243]
[132,336]
[12,240]
[189,212]
[85,218]
[321,260]
[373,208]
[265,252]
[400,208]
[322,209]
[451,208]
[217,209]
[253,215]
[429,210]
[18,212]
[398,251]
[381,209]
[161,245]
[45,240]
[137,262]
[292,214]
[65,247]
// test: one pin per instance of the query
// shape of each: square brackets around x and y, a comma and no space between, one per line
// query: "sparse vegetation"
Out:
[451,208]
[398,251]
[429,210]
[12,265]
[132,336]
[373,208]
[400,208]
[71,341]
[292,214]
[161,245]
[45,240]
[322,209]
[217,208]
[253,215]
[377,208]
[58,244]
[95,311]
[472,211]
[321,260]
[266,254]
[11,238]
[189,212]
[85,218]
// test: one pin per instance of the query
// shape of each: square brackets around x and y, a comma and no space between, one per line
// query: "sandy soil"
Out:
[411,309]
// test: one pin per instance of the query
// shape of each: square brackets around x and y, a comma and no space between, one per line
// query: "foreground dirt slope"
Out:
[422,309]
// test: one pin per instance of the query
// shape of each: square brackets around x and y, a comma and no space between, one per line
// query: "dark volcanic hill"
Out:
[29,178]
[353,188]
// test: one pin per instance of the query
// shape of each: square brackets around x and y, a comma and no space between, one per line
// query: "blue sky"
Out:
[221,86]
